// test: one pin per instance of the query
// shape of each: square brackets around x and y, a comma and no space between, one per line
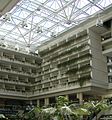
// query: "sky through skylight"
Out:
[32,22]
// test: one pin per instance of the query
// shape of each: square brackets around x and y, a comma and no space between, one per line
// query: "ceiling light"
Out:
[38,9]
[99,21]
[7,17]
[27,48]
[24,24]
[17,47]
[5,44]
[68,22]
[53,34]
[36,51]
[2,38]
[39,29]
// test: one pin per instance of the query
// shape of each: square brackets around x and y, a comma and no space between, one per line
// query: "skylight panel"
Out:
[81,16]
[1,22]
[22,30]
[33,35]
[50,3]
[40,40]
[16,31]
[23,14]
[7,26]
[59,29]
[54,4]
[68,11]
[15,20]
[17,12]
[30,6]
[47,24]
[48,34]
[82,3]
[19,31]
[25,5]
[21,39]
[41,1]
[2,32]
[14,36]
[44,14]
[105,3]
[43,17]
[36,19]
[92,10]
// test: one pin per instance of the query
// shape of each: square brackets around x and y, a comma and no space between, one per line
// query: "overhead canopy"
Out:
[32,22]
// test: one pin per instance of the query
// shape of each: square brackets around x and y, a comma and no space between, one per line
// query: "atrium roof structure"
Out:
[32,22]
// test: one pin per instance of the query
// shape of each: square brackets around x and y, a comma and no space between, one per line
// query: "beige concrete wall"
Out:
[99,64]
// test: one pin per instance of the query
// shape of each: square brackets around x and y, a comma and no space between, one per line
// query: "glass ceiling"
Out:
[32,22]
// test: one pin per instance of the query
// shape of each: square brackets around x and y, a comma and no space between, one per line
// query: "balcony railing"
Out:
[16,72]
[16,61]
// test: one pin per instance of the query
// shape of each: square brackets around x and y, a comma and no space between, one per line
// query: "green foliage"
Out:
[29,116]
[61,101]
[102,105]
[64,111]
[72,71]
[75,70]
[74,60]
[69,51]
[83,78]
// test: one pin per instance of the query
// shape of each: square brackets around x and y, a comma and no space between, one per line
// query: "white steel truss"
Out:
[32,22]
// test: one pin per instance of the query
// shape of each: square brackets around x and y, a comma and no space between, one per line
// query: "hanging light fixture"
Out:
[24,24]
[7,17]
[27,48]
[17,47]
[38,9]
[39,29]
[68,22]
[99,21]
[53,34]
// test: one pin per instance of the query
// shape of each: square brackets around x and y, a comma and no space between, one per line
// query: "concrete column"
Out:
[80,97]
[67,97]
[111,28]
[31,102]
[46,101]
[37,102]
[2,54]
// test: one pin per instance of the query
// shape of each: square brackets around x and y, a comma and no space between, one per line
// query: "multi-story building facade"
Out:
[17,73]
[77,64]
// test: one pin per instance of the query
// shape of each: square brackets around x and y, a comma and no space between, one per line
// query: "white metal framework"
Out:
[32,22]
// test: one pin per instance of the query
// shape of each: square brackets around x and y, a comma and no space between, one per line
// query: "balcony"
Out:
[3,70]
[14,61]
[109,63]
[12,93]
[110,86]
[110,74]
[107,41]
[107,49]
[14,82]
[61,88]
